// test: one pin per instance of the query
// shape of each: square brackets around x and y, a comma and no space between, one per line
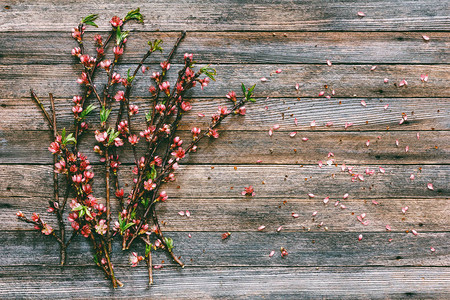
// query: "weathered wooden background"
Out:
[247,40]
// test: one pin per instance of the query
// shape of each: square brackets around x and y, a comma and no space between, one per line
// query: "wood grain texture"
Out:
[247,147]
[423,114]
[248,249]
[204,283]
[242,47]
[52,15]
[346,80]
[247,214]
[269,181]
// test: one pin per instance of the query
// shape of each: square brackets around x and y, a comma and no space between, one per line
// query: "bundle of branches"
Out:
[137,219]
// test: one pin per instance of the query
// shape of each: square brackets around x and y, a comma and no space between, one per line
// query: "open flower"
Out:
[248,191]
[135,259]
[101,227]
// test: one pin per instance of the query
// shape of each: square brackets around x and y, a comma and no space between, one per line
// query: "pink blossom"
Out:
[133,110]
[115,78]
[186,106]
[20,214]
[116,21]
[135,259]
[118,142]
[204,82]
[101,136]
[118,51]
[179,153]
[101,227]
[105,64]
[76,51]
[232,96]
[213,133]
[165,87]
[426,38]
[165,65]
[85,231]
[54,148]
[329,62]
[261,228]
[163,196]
[248,191]
[83,79]
[47,229]
[133,139]
[188,56]
[361,14]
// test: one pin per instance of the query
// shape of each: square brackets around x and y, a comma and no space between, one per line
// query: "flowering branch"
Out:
[137,218]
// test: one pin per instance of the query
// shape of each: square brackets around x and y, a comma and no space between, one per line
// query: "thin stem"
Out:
[41,106]
[108,200]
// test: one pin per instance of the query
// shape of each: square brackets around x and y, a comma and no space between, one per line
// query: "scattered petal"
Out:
[405,209]
[261,227]
[189,235]
[386,80]
[329,124]
[314,214]
[396,143]
[348,124]
[426,38]
[432,249]
[201,115]
[375,202]
[313,123]
[278,71]
[263,79]
[321,93]
[414,232]
[386,106]
[295,122]
[345,196]
[360,237]
[373,68]
[305,139]
[279,228]
[295,215]
[276,126]
[271,253]
[361,14]
[320,164]
[297,87]
[406,148]
[382,170]
[181,213]
[418,135]
[329,63]
[430,186]
[270,132]
[292,134]
[368,143]
[363,215]
[388,228]
[403,83]
[363,103]
[310,195]
[412,177]
[343,206]
[325,201]
[188,213]
[424,77]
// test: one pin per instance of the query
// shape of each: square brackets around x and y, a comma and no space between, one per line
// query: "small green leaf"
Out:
[208,71]
[87,111]
[91,23]
[129,77]
[244,90]
[121,35]
[252,100]
[148,116]
[96,259]
[63,134]
[148,249]
[79,207]
[153,172]
[81,213]
[104,114]
[169,243]
[134,15]
[90,18]
[127,226]
[155,46]
[250,90]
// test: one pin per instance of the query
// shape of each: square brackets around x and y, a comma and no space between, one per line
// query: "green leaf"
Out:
[129,77]
[250,90]
[121,35]
[148,249]
[104,114]
[148,116]
[156,45]
[134,15]
[127,226]
[91,23]
[169,243]
[63,133]
[208,71]
[79,207]
[81,213]
[87,111]
[252,100]
[96,259]
[244,90]
[90,18]
[153,172]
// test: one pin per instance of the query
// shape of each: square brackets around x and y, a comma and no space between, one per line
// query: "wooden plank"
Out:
[251,249]
[196,283]
[52,15]
[346,80]
[269,181]
[246,147]
[243,214]
[243,47]
[423,114]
